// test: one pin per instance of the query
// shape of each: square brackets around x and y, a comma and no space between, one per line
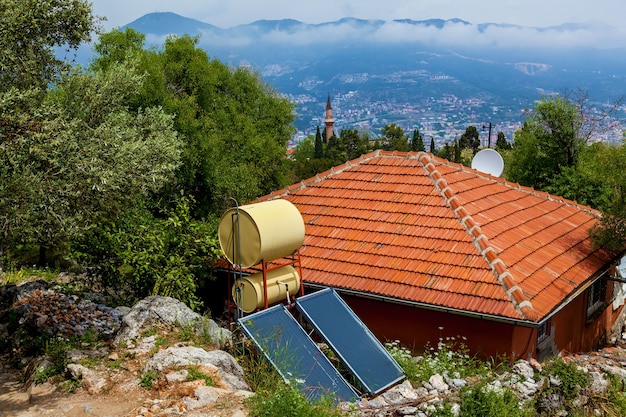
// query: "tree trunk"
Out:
[42,256]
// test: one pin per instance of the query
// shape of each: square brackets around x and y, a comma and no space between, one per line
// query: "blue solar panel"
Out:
[292,352]
[351,340]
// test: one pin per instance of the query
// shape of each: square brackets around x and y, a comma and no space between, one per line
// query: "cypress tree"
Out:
[417,143]
[433,150]
[319,148]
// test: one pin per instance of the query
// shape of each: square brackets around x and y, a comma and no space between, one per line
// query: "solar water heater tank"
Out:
[248,292]
[262,231]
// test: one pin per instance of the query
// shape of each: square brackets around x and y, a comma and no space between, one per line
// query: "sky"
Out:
[228,13]
[606,24]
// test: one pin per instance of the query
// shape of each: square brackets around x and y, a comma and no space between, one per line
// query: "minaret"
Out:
[329,121]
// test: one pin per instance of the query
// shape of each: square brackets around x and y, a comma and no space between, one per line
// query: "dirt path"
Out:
[46,400]
[123,398]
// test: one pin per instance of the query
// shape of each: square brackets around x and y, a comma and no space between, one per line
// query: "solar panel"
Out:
[294,355]
[351,340]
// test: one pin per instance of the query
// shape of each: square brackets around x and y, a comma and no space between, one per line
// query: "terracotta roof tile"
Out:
[422,230]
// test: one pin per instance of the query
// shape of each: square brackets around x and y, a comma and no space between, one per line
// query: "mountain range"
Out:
[436,75]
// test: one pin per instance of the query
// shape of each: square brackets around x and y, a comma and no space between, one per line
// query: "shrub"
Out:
[194,374]
[486,401]
[147,379]
[450,357]
[572,378]
[288,401]
[144,254]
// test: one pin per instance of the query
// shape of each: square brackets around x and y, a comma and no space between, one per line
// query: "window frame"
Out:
[596,297]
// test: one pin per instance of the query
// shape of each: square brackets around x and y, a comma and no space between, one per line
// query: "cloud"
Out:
[451,34]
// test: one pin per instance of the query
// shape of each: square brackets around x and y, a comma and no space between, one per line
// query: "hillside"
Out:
[437,75]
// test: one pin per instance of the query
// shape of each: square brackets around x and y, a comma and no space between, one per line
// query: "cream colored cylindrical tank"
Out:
[268,230]
[279,281]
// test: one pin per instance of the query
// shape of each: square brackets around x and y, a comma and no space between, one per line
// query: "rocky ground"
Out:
[105,378]
[147,362]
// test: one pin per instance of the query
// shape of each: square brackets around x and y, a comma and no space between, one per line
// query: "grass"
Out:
[147,379]
[18,275]
[288,401]
[449,357]
[194,374]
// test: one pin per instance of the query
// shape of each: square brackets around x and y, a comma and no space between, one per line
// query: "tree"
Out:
[31,30]
[354,144]
[606,166]
[319,145]
[433,148]
[234,126]
[447,152]
[548,143]
[394,138]
[470,139]
[81,157]
[502,144]
[417,142]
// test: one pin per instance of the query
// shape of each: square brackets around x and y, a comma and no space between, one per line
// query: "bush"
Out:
[143,254]
[288,401]
[486,401]
[572,378]
[450,357]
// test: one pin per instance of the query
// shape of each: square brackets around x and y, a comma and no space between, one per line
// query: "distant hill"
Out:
[165,23]
[438,75]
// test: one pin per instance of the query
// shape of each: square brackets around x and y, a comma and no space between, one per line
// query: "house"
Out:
[424,249]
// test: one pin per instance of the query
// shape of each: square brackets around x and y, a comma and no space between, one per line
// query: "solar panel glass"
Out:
[351,340]
[294,355]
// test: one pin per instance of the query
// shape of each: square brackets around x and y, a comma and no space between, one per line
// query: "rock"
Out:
[407,411]
[614,370]
[229,371]
[204,395]
[91,381]
[598,384]
[167,311]
[524,369]
[526,388]
[178,376]
[438,384]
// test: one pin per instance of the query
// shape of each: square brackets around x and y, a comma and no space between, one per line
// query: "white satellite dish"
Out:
[489,162]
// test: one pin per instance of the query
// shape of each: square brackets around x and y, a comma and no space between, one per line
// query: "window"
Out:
[544,330]
[596,300]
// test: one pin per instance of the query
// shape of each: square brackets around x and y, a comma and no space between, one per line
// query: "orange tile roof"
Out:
[414,227]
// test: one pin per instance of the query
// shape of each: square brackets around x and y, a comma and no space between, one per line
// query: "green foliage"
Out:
[349,145]
[394,138]
[234,126]
[147,379]
[606,166]
[55,349]
[571,378]
[259,373]
[194,374]
[319,146]
[79,158]
[417,141]
[548,143]
[614,404]
[288,401]
[31,30]
[486,401]
[449,357]
[433,149]
[502,144]
[145,255]
[470,139]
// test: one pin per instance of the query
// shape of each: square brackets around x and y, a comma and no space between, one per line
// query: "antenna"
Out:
[489,162]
